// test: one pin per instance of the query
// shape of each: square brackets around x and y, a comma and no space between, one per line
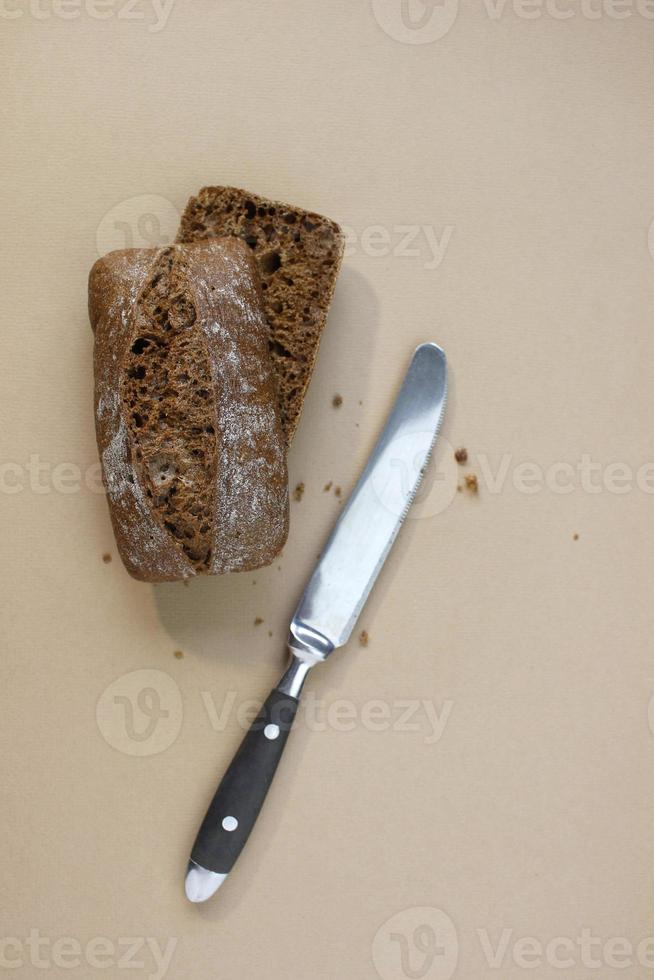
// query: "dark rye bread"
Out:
[299,256]
[187,415]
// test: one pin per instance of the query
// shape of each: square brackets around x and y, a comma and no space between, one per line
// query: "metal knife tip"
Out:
[432,347]
[201,884]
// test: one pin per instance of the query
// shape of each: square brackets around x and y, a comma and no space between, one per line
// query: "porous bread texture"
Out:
[144,546]
[166,395]
[187,413]
[299,256]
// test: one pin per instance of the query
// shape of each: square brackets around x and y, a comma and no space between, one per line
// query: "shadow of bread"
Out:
[215,615]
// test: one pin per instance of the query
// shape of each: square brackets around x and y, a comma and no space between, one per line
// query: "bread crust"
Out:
[187,498]
[299,255]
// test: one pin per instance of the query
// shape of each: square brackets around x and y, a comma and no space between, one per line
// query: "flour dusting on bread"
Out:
[186,411]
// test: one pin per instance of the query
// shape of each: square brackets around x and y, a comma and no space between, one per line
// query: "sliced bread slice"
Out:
[299,255]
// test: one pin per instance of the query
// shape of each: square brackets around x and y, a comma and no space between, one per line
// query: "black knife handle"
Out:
[242,791]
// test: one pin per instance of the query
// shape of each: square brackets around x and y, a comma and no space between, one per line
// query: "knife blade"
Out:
[327,612]
[374,513]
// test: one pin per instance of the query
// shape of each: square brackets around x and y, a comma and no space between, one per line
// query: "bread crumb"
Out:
[472,483]
[270,633]
[298,493]
[575,537]
[364,639]
[337,401]
[178,655]
[106,558]
[327,487]
[258,621]
[460,488]
[461,456]
[337,491]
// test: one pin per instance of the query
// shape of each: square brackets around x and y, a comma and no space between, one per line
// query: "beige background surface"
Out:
[522,141]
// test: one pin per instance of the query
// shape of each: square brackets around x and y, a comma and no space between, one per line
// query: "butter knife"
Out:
[329,608]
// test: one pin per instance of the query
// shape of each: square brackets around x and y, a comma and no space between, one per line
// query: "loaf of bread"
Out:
[187,412]
[299,255]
